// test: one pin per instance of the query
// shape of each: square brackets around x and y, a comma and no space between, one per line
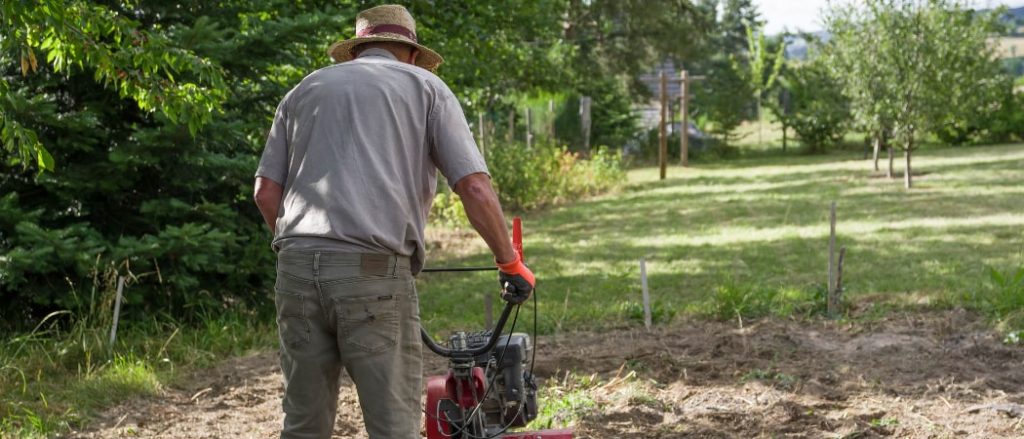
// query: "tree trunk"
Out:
[783,138]
[907,174]
[889,172]
[878,146]
[760,122]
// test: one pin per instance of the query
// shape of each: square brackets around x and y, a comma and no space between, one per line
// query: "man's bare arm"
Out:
[484,212]
[268,199]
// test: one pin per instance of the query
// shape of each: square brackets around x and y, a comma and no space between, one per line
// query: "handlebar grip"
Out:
[512,295]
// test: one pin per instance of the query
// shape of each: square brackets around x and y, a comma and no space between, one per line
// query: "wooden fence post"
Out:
[585,123]
[838,290]
[830,290]
[684,129]
[662,136]
[646,294]
[117,310]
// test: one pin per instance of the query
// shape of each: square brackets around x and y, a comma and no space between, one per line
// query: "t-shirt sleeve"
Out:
[453,148]
[274,163]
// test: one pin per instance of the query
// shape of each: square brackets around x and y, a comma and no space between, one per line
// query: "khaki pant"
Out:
[356,311]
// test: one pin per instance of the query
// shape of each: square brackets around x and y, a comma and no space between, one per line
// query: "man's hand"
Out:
[516,280]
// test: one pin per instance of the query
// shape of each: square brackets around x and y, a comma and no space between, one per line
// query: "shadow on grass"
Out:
[769,230]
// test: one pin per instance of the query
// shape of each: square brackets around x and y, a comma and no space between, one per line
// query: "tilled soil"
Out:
[919,375]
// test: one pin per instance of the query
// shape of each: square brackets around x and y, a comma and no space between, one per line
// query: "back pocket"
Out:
[369,324]
[292,324]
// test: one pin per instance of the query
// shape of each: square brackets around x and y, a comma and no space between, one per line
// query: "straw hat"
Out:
[385,23]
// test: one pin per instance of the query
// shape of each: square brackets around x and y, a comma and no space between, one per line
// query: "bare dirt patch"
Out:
[920,375]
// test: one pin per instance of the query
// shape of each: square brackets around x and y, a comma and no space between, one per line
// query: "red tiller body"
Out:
[467,387]
[443,387]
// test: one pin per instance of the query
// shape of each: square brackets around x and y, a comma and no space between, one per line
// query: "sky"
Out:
[806,14]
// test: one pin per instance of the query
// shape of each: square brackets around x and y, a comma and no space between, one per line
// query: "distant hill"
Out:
[797,45]
[1015,14]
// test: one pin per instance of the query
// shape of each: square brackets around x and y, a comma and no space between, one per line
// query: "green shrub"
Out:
[447,209]
[535,177]
[816,108]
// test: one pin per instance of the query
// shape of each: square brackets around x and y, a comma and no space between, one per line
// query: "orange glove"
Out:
[517,281]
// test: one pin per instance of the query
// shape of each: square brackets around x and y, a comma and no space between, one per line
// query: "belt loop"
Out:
[316,264]
[394,269]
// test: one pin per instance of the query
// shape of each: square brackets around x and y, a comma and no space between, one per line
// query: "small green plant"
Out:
[1006,290]
[1013,337]
[743,300]
[778,379]
[884,422]
[1002,299]
[660,312]
[565,403]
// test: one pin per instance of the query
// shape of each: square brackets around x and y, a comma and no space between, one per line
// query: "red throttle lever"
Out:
[517,236]
[517,281]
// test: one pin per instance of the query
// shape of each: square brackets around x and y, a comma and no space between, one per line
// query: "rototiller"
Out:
[490,387]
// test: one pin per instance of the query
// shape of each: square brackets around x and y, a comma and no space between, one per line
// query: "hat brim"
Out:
[342,50]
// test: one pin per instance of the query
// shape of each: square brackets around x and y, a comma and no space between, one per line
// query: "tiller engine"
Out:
[490,387]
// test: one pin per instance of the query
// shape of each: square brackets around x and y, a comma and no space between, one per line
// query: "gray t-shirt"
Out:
[355,146]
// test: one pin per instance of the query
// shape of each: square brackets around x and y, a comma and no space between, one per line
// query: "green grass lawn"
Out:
[721,236]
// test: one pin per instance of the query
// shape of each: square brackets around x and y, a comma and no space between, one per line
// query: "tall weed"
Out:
[55,376]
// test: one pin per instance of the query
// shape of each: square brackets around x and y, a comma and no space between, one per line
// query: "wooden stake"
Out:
[831,263]
[839,277]
[117,310]
[684,131]
[662,135]
[646,293]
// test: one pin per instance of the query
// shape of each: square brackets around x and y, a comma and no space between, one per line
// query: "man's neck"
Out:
[377,51]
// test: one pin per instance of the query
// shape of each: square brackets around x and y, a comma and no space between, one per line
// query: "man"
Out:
[345,184]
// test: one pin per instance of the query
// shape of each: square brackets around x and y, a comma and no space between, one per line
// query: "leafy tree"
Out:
[865,76]
[492,49]
[155,124]
[721,98]
[74,37]
[818,111]
[926,54]
[611,43]
[738,17]
[725,98]
[626,38]
[154,114]
[762,69]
